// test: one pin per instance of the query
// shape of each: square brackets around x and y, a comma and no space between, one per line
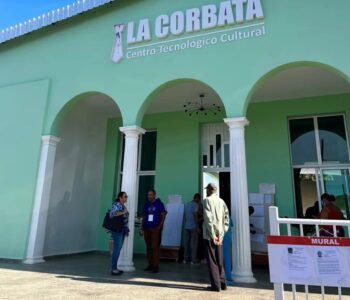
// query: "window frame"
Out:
[320,164]
[139,172]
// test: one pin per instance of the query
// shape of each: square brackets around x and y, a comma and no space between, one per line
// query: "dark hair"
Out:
[153,191]
[121,194]
[197,195]
[331,198]
[326,197]
[251,209]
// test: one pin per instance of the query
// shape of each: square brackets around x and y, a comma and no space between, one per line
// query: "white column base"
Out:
[248,278]
[32,261]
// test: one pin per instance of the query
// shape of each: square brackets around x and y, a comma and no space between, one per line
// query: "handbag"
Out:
[115,224]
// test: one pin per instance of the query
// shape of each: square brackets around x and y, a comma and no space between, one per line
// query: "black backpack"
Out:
[114,224]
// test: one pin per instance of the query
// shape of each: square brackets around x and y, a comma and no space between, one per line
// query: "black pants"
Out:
[215,264]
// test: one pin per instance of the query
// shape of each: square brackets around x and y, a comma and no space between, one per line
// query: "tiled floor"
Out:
[87,277]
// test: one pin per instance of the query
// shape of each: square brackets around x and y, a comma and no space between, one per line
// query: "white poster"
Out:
[171,236]
[309,260]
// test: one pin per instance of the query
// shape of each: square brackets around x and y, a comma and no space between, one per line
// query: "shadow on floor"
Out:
[95,267]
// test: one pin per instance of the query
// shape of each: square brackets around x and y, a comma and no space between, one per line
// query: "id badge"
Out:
[150,218]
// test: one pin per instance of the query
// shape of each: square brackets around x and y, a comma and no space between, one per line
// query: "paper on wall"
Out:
[259,211]
[259,223]
[175,199]
[256,198]
[258,238]
[267,188]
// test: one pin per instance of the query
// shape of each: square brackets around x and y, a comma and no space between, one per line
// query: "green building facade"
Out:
[72,90]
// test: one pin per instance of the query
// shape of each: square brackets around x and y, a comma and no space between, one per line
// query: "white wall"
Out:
[75,198]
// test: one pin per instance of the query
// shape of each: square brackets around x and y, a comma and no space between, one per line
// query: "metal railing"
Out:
[49,18]
[275,224]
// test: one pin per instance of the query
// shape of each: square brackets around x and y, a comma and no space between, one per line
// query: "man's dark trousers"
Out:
[215,264]
[152,238]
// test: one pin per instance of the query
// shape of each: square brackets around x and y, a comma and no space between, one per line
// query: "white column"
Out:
[41,201]
[241,253]
[129,185]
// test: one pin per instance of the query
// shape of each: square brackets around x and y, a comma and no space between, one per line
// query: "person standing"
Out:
[192,229]
[119,210]
[152,224]
[332,212]
[216,224]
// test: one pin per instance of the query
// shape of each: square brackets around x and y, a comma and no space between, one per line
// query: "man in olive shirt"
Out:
[216,223]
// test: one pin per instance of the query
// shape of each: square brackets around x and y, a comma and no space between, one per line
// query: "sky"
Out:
[15,11]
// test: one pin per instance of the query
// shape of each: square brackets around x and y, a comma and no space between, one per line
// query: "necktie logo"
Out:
[117,53]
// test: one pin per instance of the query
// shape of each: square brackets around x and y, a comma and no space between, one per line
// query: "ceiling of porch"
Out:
[301,82]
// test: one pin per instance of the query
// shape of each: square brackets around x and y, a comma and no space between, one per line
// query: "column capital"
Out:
[133,130]
[237,123]
[50,140]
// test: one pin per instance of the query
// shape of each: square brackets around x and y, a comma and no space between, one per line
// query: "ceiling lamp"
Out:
[201,108]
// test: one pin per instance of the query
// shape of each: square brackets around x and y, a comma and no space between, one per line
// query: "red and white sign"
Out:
[309,260]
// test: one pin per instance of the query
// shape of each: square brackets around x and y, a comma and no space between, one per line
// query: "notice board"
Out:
[309,260]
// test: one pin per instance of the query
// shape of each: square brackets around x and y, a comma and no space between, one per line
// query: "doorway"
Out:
[222,181]
[225,188]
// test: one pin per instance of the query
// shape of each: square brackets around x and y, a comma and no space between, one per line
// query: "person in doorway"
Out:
[251,226]
[332,212]
[192,230]
[119,210]
[216,224]
[152,224]
[201,246]
[227,250]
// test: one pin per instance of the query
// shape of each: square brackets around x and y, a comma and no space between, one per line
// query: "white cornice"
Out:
[49,18]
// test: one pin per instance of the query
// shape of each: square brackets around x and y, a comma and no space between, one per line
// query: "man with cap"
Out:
[216,223]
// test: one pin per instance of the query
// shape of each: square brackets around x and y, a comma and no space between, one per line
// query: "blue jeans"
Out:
[118,239]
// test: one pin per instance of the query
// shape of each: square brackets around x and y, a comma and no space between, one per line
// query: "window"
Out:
[303,141]
[333,144]
[320,159]
[318,140]
[146,166]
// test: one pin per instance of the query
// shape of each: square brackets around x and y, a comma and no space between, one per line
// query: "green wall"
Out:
[21,125]
[267,141]
[75,57]
[76,54]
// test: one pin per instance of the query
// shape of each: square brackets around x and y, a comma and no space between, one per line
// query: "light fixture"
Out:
[201,108]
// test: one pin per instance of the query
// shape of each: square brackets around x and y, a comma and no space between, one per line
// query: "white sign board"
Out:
[309,260]
[171,236]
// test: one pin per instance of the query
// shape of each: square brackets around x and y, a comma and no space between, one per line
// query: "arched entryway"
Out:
[79,170]
[297,140]
[185,134]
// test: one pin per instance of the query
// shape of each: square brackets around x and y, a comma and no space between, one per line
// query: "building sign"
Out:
[211,24]
[309,260]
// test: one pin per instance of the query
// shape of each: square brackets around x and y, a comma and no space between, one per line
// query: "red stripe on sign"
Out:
[308,241]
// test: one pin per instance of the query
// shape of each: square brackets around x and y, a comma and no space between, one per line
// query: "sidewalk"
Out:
[87,276]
